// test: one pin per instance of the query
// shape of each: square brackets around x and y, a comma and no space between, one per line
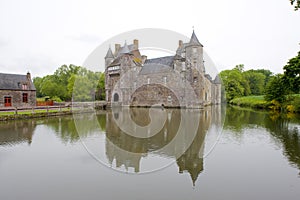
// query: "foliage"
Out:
[276,89]
[295,3]
[268,74]
[232,82]
[100,93]
[256,81]
[238,83]
[37,81]
[251,101]
[291,76]
[291,105]
[69,82]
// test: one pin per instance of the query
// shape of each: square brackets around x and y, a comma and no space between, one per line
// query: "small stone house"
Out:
[17,90]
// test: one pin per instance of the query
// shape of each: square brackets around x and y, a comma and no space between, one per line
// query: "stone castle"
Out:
[171,81]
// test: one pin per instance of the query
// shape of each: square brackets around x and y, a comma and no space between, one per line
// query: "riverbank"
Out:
[13,113]
[258,102]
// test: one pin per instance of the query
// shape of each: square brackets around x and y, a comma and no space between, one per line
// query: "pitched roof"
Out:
[124,49]
[109,53]
[167,60]
[217,80]
[194,40]
[155,68]
[14,82]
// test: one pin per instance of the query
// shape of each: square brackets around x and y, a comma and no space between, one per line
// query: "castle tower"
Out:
[109,57]
[194,53]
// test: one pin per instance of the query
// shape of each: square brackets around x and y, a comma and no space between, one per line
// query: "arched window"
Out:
[116,97]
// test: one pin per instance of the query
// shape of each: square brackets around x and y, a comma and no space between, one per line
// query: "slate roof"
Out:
[14,82]
[194,40]
[167,60]
[217,80]
[109,53]
[124,49]
[155,68]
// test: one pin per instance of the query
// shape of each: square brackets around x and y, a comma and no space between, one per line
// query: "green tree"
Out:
[50,87]
[83,88]
[268,74]
[295,3]
[234,82]
[37,81]
[291,77]
[101,87]
[256,81]
[276,89]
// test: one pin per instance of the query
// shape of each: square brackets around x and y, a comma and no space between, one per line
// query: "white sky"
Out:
[40,36]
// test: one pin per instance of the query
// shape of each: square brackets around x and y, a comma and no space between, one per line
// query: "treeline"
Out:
[280,90]
[238,83]
[71,83]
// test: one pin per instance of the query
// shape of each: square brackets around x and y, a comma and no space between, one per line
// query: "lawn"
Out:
[259,102]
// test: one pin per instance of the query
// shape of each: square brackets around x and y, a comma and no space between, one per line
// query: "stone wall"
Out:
[17,98]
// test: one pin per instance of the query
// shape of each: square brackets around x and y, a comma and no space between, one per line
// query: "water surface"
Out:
[89,156]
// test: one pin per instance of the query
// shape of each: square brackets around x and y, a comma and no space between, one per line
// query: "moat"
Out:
[178,154]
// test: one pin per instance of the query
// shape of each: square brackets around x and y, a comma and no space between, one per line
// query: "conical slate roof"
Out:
[194,40]
[217,80]
[125,49]
[109,54]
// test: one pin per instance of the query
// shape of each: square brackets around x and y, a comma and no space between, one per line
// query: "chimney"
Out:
[28,76]
[180,43]
[136,44]
[117,49]
[144,58]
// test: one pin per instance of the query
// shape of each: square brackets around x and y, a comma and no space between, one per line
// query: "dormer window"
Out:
[24,87]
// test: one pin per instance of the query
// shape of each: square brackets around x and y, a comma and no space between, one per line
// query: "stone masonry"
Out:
[172,81]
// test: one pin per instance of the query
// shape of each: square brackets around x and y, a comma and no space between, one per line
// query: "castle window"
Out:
[116,97]
[195,50]
[148,80]
[195,79]
[113,68]
[205,96]
[183,66]
[25,97]
[165,79]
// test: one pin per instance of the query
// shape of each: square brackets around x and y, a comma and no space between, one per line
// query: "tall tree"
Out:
[234,83]
[256,81]
[291,75]
[295,3]
[37,81]
[276,89]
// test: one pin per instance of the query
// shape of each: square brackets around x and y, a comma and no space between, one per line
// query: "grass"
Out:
[258,102]
[27,112]
[251,101]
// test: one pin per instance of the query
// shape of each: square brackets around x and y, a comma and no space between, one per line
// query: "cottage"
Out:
[17,90]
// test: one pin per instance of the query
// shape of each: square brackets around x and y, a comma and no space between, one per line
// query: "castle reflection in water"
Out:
[175,140]
[182,136]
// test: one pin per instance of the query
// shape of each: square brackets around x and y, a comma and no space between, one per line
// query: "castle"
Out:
[172,81]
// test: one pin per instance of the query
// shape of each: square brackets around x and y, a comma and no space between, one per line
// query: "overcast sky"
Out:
[39,36]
